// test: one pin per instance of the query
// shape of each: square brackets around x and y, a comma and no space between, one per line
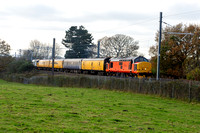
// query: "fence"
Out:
[177,89]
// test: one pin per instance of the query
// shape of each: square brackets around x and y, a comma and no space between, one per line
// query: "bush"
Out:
[4,62]
[194,74]
[26,66]
[20,66]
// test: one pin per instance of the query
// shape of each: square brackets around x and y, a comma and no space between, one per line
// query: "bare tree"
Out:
[118,46]
[153,50]
[43,51]
[36,47]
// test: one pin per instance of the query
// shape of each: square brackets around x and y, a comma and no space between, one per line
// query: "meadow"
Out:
[33,108]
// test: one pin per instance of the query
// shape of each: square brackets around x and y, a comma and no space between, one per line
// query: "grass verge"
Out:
[32,108]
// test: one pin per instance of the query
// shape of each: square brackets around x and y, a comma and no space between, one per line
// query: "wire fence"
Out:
[177,89]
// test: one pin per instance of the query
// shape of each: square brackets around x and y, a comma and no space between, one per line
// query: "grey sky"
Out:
[23,21]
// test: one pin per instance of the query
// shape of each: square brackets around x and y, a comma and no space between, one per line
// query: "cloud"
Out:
[184,7]
[35,12]
[48,13]
[184,12]
[110,16]
[3,15]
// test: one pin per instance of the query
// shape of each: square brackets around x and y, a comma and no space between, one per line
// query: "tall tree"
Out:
[118,46]
[5,59]
[179,52]
[79,42]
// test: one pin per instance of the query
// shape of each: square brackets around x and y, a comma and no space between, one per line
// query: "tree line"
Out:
[180,53]
[80,45]
[78,42]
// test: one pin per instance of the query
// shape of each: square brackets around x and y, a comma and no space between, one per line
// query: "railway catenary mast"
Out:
[159,45]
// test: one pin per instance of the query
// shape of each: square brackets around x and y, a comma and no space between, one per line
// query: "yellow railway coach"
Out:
[58,64]
[94,65]
[43,64]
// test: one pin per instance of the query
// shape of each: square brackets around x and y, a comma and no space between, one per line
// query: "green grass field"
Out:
[32,108]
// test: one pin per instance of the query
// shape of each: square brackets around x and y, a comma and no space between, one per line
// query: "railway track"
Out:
[49,73]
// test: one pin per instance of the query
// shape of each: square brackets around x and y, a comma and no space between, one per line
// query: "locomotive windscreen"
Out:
[140,59]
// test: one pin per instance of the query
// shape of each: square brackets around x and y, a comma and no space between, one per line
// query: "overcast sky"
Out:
[24,20]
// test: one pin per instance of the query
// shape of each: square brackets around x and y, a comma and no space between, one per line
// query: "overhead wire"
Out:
[151,19]
[183,13]
[137,23]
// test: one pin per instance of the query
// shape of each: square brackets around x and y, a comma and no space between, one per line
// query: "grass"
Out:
[31,108]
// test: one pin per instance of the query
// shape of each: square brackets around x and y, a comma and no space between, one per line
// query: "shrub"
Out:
[20,66]
[4,62]
[26,66]
[194,74]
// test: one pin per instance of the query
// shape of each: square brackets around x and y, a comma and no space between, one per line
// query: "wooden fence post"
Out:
[190,91]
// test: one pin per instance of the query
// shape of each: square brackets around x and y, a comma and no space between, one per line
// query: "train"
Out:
[133,67]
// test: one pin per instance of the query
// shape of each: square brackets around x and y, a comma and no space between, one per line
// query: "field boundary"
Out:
[177,89]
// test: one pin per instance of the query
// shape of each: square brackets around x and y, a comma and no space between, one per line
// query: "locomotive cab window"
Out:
[111,65]
[141,59]
[135,67]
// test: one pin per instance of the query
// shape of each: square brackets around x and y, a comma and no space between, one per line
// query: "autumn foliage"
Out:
[4,55]
[179,52]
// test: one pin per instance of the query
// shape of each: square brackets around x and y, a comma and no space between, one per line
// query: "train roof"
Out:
[95,59]
[128,59]
[75,59]
[120,59]
[44,60]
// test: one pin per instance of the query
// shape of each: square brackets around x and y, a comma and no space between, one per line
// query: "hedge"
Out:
[178,89]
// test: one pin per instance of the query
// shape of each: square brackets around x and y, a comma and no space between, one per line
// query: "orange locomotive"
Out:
[135,67]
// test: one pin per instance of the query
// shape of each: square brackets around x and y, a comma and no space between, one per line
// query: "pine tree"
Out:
[79,43]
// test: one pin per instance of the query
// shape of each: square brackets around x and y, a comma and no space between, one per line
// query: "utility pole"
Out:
[53,55]
[20,53]
[98,49]
[159,45]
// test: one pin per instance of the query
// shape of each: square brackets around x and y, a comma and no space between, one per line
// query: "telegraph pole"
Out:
[53,55]
[159,45]
[20,53]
